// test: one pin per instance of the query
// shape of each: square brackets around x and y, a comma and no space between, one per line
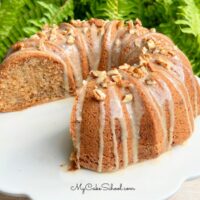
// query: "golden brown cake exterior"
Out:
[78,47]
[120,116]
[64,55]
[128,115]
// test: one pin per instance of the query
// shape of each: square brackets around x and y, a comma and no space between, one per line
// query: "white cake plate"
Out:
[34,143]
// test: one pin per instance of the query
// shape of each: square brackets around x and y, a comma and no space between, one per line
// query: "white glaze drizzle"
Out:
[161,96]
[124,43]
[195,95]
[153,98]
[117,113]
[96,37]
[180,70]
[79,108]
[189,101]
[94,52]
[171,113]
[67,50]
[74,59]
[136,111]
[101,139]
[116,48]
[160,105]
[182,96]
[109,43]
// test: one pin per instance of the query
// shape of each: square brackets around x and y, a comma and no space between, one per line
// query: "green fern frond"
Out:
[181,24]
[22,18]
[109,9]
[189,18]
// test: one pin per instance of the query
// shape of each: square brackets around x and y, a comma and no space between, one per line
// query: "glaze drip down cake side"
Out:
[128,115]
[136,95]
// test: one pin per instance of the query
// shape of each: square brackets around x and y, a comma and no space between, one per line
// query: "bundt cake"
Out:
[130,114]
[123,113]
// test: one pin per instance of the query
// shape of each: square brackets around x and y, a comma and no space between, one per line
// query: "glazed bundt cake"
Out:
[129,114]
[121,115]
[53,63]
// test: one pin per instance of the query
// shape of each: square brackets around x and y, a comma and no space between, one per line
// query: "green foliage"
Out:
[179,19]
[22,18]
[189,21]
[181,23]
[109,9]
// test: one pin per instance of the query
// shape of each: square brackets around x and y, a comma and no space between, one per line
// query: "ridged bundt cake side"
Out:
[121,116]
[53,63]
[128,115]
